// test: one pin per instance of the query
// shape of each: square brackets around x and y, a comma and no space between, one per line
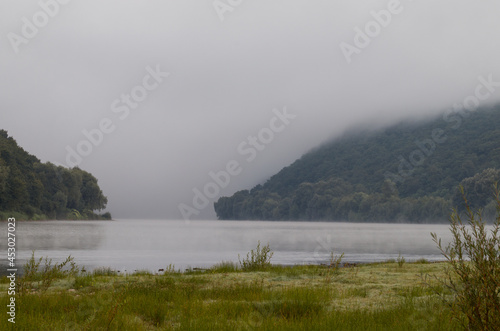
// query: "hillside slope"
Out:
[33,190]
[407,173]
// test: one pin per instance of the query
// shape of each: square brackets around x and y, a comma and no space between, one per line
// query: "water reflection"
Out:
[59,235]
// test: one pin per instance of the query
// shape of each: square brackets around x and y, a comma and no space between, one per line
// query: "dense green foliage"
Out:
[38,190]
[409,172]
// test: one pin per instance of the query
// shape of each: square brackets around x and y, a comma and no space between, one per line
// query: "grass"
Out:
[379,296]
[104,271]
[400,260]
[224,266]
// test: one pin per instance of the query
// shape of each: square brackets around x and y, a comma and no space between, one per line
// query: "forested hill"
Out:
[406,173]
[30,189]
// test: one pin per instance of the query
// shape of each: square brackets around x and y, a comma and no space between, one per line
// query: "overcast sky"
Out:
[203,76]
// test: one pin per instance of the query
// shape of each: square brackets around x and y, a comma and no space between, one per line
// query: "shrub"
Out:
[335,261]
[473,273]
[257,259]
[333,267]
[44,276]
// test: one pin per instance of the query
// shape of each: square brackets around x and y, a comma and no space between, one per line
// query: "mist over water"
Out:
[129,245]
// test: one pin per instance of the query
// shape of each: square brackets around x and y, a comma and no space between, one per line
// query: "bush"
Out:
[334,266]
[473,273]
[257,259]
[44,276]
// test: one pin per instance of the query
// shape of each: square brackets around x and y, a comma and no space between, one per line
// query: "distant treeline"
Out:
[407,173]
[34,190]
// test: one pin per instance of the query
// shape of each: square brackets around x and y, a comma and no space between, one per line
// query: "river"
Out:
[129,245]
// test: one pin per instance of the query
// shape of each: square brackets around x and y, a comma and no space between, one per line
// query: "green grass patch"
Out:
[224,267]
[104,271]
[365,297]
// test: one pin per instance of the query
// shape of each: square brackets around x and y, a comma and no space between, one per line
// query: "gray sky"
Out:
[230,63]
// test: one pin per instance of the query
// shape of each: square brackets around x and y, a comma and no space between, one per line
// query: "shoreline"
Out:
[262,221]
[202,270]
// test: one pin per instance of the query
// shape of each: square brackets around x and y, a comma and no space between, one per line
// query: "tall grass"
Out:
[224,267]
[104,271]
[401,260]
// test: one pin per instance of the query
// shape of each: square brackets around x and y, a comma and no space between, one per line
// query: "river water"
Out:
[129,245]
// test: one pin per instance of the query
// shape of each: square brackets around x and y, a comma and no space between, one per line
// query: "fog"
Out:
[206,75]
[154,244]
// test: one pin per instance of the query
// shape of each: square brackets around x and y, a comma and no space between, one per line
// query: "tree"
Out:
[92,196]
[60,200]
[31,187]
[478,189]
[358,162]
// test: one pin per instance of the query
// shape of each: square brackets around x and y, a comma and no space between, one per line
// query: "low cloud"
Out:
[226,76]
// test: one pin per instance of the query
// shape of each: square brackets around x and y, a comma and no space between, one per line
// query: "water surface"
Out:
[129,245]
